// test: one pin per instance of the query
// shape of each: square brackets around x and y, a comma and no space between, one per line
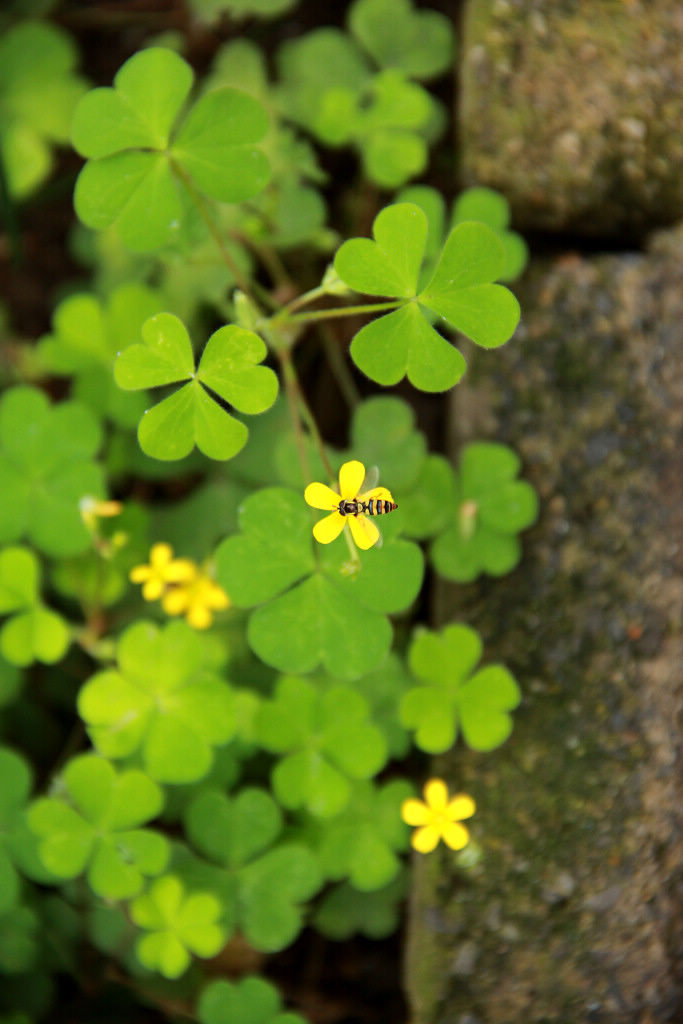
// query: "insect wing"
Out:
[371,480]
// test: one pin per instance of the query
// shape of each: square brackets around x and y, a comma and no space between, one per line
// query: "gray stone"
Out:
[574,905]
[575,111]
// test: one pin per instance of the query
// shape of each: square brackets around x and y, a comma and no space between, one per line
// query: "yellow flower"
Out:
[438,817]
[363,530]
[197,600]
[163,569]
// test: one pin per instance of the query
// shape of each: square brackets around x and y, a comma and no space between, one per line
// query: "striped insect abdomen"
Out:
[373,507]
[378,506]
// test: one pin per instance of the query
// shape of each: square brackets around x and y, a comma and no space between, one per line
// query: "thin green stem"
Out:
[205,214]
[328,314]
[302,300]
[292,392]
[300,410]
[340,368]
[315,433]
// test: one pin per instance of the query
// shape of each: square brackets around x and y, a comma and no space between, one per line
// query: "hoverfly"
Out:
[354,504]
[370,507]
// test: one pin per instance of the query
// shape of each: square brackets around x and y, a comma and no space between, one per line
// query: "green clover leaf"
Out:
[312,613]
[451,698]
[228,372]
[87,335]
[492,208]
[310,624]
[144,165]
[251,1000]
[479,204]
[261,887]
[398,36]
[490,508]
[344,911]
[232,831]
[314,64]
[34,633]
[98,828]
[273,889]
[45,470]
[328,86]
[390,264]
[178,924]
[15,784]
[162,701]
[38,92]
[325,739]
[362,842]
[384,120]
[390,577]
[461,292]
[382,689]
[427,506]
[383,434]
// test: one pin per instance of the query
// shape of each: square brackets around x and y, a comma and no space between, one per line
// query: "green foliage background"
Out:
[165,791]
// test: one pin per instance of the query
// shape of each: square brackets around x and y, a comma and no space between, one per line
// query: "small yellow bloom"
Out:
[438,817]
[196,600]
[163,569]
[363,530]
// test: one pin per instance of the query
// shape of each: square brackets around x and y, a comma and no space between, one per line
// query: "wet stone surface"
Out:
[573,913]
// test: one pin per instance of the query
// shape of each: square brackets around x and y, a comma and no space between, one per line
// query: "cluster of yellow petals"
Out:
[437,817]
[184,589]
[196,600]
[363,530]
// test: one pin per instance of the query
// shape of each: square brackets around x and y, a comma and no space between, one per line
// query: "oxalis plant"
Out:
[216,604]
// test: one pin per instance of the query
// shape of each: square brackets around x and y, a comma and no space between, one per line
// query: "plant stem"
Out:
[242,282]
[340,369]
[302,300]
[299,409]
[292,391]
[337,311]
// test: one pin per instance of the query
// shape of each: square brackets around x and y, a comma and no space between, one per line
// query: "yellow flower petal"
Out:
[321,496]
[140,573]
[215,597]
[426,838]
[415,812]
[436,794]
[454,835]
[199,616]
[175,601]
[153,589]
[460,806]
[351,477]
[327,529]
[363,531]
[160,555]
[180,570]
[380,493]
